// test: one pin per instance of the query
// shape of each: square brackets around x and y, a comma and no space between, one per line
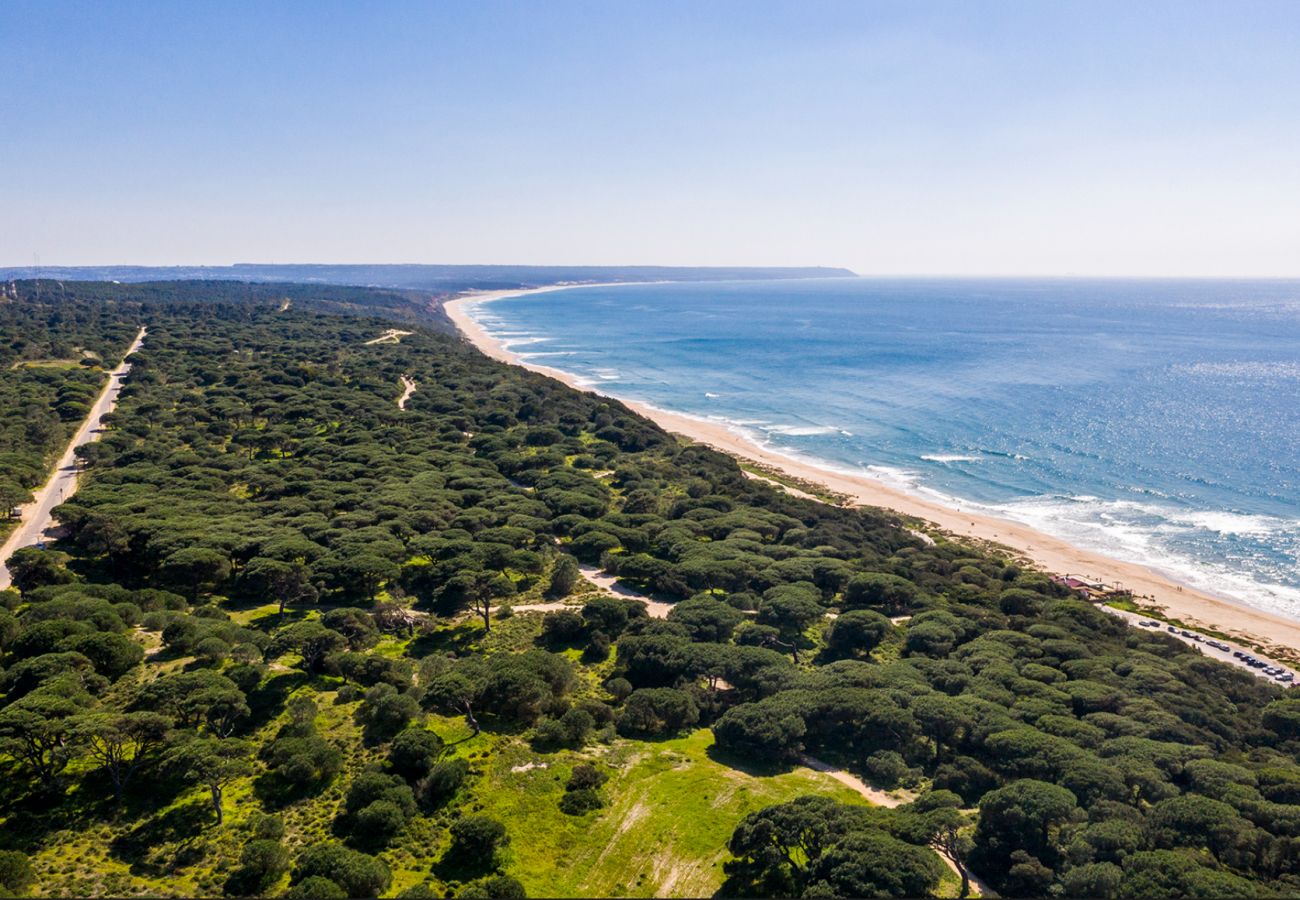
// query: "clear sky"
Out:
[1040,137]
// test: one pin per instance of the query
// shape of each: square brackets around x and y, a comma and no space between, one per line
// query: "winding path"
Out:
[889,799]
[608,584]
[62,484]
[391,336]
[408,388]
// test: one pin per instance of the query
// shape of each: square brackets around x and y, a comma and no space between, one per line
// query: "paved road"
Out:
[1213,653]
[62,484]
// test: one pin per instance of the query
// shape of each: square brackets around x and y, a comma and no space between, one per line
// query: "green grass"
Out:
[670,809]
[47,364]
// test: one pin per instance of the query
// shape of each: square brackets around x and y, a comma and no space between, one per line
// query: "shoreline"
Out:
[1196,608]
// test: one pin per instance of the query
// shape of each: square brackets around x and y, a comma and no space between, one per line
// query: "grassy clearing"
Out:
[47,364]
[671,808]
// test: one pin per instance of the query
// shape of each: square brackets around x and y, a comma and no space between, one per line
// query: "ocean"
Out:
[1157,421]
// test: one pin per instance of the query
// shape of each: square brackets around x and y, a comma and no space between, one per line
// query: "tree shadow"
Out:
[451,868]
[269,698]
[276,793]
[752,767]
[457,639]
[180,825]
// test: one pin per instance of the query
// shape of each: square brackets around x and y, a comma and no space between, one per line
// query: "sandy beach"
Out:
[1275,634]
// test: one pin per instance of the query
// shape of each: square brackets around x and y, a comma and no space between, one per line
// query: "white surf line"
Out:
[37,516]
[408,388]
[391,336]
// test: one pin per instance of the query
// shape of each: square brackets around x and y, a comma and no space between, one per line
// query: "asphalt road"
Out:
[62,484]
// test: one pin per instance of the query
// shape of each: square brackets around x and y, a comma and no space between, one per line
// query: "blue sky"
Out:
[940,138]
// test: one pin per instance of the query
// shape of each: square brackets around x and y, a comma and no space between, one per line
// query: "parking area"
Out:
[1225,651]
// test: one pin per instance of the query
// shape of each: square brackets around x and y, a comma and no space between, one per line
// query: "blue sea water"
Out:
[1155,420]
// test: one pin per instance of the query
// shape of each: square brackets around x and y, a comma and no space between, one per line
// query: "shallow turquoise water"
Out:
[1158,421]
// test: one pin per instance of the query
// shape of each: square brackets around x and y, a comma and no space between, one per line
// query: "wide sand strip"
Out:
[1195,607]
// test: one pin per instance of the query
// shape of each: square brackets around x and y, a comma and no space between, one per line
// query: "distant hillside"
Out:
[421,277]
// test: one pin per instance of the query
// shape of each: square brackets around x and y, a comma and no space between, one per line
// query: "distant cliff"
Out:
[421,277]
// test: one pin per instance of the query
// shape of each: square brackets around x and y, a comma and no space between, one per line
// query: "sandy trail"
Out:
[1196,607]
[391,336]
[408,388]
[889,799]
[608,584]
[794,491]
[875,795]
[62,484]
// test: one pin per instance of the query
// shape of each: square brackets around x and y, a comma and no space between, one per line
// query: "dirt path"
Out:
[888,799]
[391,336]
[408,388]
[794,491]
[609,585]
[878,797]
[62,483]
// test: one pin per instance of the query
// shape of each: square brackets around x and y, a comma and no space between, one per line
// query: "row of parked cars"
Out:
[1277,673]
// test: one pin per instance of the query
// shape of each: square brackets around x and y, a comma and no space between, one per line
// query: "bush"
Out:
[585,776]
[890,593]
[16,874]
[576,803]
[315,888]
[887,768]
[564,577]
[384,712]
[261,863]
[442,782]
[493,887]
[770,731]
[857,631]
[357,874]
[549,733]
[561,628]
[475,841]
[379,822]
[267,827]
[657,712]
[597,649]
[620,688]
[304,762]
[413,753]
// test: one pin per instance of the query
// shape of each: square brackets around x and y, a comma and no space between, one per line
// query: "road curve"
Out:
[62,483]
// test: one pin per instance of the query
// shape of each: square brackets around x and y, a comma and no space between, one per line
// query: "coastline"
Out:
[1196,608]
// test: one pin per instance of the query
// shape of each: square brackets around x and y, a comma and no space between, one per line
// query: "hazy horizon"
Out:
[1099,276]
[896,139]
